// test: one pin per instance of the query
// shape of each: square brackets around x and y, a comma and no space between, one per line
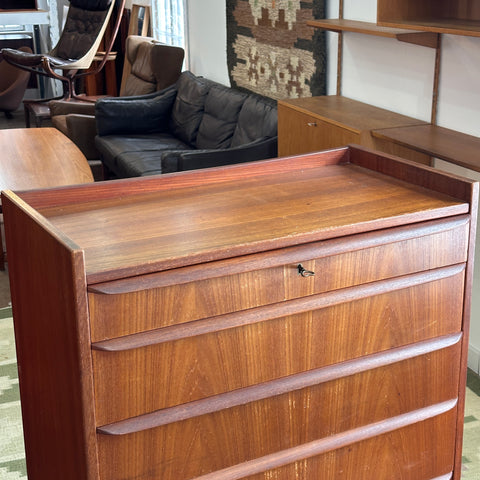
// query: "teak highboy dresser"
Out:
[300,318]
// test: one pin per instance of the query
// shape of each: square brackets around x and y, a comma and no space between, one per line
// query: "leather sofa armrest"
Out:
[62,107]
[133,115]
[258,150]
[82,130]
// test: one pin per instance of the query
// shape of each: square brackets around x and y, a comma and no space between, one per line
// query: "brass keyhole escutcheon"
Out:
[304,272]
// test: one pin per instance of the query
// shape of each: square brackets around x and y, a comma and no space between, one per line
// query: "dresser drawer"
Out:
[178,296]
[175,365]
[263,426]
[410,453]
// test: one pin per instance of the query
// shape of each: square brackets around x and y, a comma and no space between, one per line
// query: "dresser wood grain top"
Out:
[139,226]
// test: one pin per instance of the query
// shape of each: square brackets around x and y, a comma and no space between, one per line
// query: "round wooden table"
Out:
[33,158]
[40,158]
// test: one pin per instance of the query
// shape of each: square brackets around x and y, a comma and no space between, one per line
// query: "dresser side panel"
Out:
[50,313]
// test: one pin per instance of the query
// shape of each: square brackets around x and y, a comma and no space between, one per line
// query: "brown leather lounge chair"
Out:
[13,83]
[78,44]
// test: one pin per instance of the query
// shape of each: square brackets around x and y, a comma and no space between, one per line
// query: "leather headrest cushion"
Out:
[131,46]
[142,66]
[141,79]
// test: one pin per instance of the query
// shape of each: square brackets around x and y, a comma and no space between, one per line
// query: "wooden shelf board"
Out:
[451,26]
[449,145]
[427,39]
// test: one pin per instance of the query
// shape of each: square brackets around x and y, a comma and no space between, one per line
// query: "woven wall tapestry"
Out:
[272,51]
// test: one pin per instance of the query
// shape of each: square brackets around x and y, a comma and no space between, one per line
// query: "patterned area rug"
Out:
[12,454]
[272,51]
[471,435]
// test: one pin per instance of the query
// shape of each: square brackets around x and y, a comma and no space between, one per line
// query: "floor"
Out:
[18,120]
[4,290]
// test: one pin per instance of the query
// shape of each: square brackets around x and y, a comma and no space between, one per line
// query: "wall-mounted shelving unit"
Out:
[456,17]
[419,23]
[422,38]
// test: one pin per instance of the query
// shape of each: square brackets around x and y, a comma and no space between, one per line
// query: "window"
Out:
[169,21]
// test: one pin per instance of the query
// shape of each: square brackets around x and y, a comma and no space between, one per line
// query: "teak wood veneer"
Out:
[318,123]
[457,17]
[338,25]
[298,318]
[449,145]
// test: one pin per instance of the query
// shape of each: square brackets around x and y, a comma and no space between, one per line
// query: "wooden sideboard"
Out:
[296,318]
[317,123]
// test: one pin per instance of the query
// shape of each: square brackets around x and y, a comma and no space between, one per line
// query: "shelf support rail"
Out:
[340,52]
[436,80]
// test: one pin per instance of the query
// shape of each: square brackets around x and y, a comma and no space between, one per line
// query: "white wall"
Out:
[379,71]
[207,39]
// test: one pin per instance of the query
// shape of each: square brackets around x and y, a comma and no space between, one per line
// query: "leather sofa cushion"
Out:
[220,117]
[136,155]
[114,116]
[136,164]
[113,146]
[257,119]
[188,108]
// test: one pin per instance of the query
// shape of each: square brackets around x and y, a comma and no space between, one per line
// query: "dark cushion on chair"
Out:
[80,31]
[91,4]
[264,111]
[188,108]
[222,107]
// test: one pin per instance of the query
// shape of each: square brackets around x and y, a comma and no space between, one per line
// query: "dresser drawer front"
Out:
[186,449]
[194,367]
[180,296]
[411,453]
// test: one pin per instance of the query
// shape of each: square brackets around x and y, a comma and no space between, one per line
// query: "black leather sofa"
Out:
[196,123]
